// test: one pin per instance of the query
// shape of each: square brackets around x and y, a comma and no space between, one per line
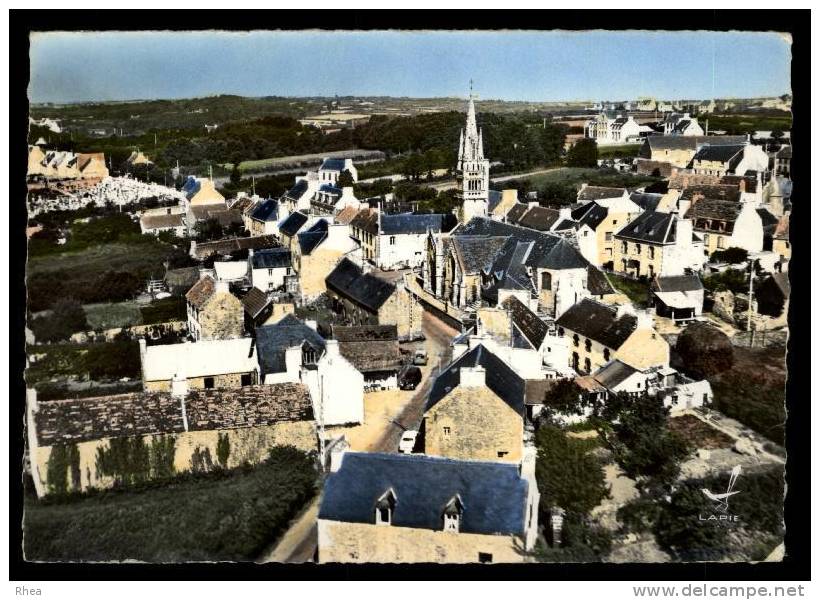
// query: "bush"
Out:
[733,255]
[583,154]
[223,515]
[704,350]
[162,311]
[67,317]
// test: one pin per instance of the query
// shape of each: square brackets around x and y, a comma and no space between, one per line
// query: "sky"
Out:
[514,65]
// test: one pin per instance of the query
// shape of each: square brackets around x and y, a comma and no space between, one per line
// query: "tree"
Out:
[777,134]
[568,476]
[733,255]
[209,229]
[236,174]
[704,350]
[67,317]
[345,179]
[583,154]
[641,441]
[564,397]
[223,450]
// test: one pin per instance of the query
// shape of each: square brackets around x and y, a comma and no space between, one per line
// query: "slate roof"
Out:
[784,152]
[255,301]
[566,225]
[273,340]
[614,373]
[782,282]
[708,208]
[363,289]
[540,218]
[227,246]
[598,322]
[371,347]
[681,142]
[646,201]
[597,192]
[500,378]
[201,291]
[516,212]
[681,125]
[310,239]
[333,164]
[366,220]
[331,190]
[493,200]
[265,211]
[527,322]
[769,220]
[347,214]
[162,221]
[493,494]
[597,282]
[297,191]
[594,216]
[717,192]
[677,283]
[293,223]
[152,413]
[650,227]
[409,224]
[271,258]
[721,153]
[477,253]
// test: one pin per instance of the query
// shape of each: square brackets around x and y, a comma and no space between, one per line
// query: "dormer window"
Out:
[451,517]
[385,506]
[308,354]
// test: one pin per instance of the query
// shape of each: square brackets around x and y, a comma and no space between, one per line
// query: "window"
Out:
[615,221]
[587,365]
[588,345]
[637,248]
[546,281]
[606,354]
[502,453]
[651,251]
[485,557]
[270,286]
[446,431]
[392,240]
[288,271]
[706,239]
[246,379]
[608,236]
[384,508]
[609,252]
[721,241]
[270,272]
[623,247]
[209,383]
[575,339]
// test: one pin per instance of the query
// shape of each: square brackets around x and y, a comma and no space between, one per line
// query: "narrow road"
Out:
[298,543]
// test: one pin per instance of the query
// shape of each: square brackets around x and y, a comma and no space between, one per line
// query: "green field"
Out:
[228,516]
[571,175]
[621,151]
[637,291]
[112,315]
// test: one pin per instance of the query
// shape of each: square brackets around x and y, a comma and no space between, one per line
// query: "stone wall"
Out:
[362,543]
[226,380]
[222,318]
[135,331]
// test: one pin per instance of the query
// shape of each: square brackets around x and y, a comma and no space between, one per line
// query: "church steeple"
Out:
[472,170]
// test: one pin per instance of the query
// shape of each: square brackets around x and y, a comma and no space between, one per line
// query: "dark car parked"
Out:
[410,378]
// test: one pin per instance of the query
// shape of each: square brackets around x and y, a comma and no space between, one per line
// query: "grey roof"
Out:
[597,282]
[677,283]
[721,153]
[500,378]
[477,253]
[293,223]
[493,200]
[410,223]
[255,301]
[333,164]
[784,152]
[709,208]
[681,126]
[364,289]
[597,192]
[594,216]
[598,322]
[540,218]
[526,321]
[314,235]
[271,258]
[769,220]
[646,200]
[516,212]
[273,340]
[566,225]
[651,227]
[493,494]
[331,190]
[298,190]
[265,211]
[690,142]
[614,373]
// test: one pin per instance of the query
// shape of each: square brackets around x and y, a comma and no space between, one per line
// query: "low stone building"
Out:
[396,508]
[229,246]
[678,297]
[176,431]
[270,268]
[318,250]
[657,243]
[374,351]
[214,313]
[203,365]
[475,410]
[365,299]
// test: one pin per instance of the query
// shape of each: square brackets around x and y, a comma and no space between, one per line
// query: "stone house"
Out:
[374,351]
[214,313]
[293,351]
[270,268]
[681,124]
[657,243]
[292,225]
[330,200]
[167,221]
[258,308]
[264,218]
[397,508]
[608,130]
[397,241]
[597,223]
[783,162]
[204,365]
[192,423]
[229,246]
[678,150]
[601,333]
[726,224]
[475,410]
[729,159]
[332,168]
[678,297]
[318,250]
[364,228]
[365,299]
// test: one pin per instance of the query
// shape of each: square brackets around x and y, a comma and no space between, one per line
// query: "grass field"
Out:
[112,315]
[228,516]
[115,257]
[620,151]
[562,175]
[637,291]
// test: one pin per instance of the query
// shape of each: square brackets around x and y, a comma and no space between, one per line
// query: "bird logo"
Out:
[722,500]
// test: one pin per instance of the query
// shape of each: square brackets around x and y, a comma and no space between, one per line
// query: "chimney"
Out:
[472,377]
[527,468]
[179,386]
[338,448]
[332,348]
[143,352]
[222,287]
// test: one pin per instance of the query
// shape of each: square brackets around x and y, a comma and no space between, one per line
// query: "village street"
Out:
[387,415]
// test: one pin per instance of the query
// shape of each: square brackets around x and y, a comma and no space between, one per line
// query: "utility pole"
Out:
[751,291]
[322,420]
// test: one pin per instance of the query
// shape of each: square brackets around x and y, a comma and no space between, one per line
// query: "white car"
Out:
[408,440]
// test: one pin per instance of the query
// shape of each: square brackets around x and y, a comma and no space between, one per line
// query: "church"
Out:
[472,170]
